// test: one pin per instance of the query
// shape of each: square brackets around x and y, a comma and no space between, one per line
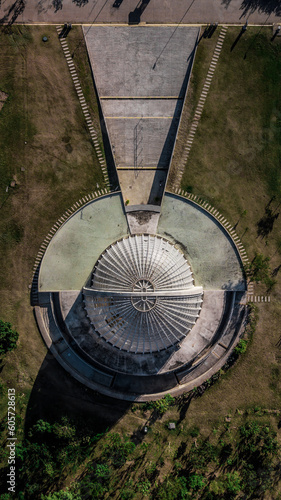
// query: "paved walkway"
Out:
[148,11]
[180,168]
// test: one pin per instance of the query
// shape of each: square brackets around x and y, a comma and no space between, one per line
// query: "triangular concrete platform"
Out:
[141,75]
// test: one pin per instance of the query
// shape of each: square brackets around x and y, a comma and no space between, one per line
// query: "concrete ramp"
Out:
[141,74]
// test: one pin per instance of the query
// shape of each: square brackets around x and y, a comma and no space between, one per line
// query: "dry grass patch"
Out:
[202,61]
[3,97]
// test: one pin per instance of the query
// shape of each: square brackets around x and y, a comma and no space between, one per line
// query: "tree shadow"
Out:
[209,30]
[226,3]
[57,4]
[276,271]
[14,11]
[134,16]
[184,406]
[138,435]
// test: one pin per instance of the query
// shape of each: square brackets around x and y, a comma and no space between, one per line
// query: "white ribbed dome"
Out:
[142,297]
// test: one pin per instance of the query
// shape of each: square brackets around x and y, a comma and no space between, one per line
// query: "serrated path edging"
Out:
[200,106]
[56,226]
[197,200]
[84,106]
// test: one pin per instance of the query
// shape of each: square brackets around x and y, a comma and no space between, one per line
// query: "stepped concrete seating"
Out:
[66,356]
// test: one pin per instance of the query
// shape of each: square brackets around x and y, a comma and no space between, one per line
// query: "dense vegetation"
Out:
[233,460]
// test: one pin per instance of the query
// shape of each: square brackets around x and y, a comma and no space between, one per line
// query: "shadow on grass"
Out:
[55,394]
[237,39]
[13,13]
[57,4]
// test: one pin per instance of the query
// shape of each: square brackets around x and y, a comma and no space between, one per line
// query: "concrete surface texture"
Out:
[77,245]
[211,253]
[192,346]
[75,248]
[147,11]
[141,74]
[63,316]
[142,187]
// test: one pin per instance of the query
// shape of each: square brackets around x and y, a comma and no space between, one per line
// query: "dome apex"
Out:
[142,298]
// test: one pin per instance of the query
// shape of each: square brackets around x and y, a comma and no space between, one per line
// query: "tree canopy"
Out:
[8,337]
